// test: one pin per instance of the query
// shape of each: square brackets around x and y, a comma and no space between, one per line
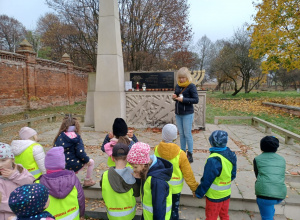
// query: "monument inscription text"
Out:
[153,80]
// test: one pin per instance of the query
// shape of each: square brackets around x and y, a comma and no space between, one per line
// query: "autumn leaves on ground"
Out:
[252,105]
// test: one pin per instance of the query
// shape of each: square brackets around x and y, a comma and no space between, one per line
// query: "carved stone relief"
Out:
[155,109]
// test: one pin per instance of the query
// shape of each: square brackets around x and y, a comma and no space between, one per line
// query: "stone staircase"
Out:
[194,208]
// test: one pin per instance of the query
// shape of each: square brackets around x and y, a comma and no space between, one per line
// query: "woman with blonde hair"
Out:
[185,96]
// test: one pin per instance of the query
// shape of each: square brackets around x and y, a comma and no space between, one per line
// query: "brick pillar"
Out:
[26,49]
[70,68]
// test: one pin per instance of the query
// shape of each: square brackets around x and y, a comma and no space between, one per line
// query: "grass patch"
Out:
[214,107]
[255,94]
[217,107]
[77,108]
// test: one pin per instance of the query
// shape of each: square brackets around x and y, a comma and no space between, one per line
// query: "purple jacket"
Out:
[61,183]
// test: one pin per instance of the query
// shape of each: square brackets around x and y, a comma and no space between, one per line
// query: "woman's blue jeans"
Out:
[184,125]
[266,207]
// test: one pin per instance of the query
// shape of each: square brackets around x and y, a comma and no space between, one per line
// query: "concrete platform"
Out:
[244,140]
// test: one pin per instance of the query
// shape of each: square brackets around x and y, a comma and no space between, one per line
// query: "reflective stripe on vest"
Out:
[150,208]
[118,205]
[216,187]
[121,214]
[221,187]
[177,176]
[146,201]
[35,172]
[64,209]
[28,162]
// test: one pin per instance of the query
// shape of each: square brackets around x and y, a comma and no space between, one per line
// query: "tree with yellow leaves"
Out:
[275,36]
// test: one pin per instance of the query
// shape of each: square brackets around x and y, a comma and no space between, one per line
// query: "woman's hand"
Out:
[174,96]
[179,99]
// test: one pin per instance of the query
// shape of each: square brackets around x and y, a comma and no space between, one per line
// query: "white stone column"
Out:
[109,96]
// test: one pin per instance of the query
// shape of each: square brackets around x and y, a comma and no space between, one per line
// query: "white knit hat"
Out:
[26,132]
[5,151]
[169,133]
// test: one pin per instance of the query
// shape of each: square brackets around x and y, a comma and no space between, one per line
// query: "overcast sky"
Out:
[217,19]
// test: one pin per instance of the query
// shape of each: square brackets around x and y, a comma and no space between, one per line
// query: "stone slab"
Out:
[245,181]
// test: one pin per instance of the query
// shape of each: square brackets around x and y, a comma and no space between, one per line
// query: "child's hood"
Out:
[162,169]
[60,184]
[19,146]
[121,180]
[64,138]
[168,150]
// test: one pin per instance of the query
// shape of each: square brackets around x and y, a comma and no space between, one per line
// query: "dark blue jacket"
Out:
[161,173]
[74,151]
[213,169]
[190,97]
[107,140]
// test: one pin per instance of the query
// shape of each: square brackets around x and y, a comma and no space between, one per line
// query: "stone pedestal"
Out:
[108,106]
[108,99]
[89,111]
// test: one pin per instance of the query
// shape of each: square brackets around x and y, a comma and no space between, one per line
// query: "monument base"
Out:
[89,109]
[110,105]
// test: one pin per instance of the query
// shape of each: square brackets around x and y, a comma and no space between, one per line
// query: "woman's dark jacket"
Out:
[190,97]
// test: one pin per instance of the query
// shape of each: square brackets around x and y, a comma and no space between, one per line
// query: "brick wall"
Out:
[28,82]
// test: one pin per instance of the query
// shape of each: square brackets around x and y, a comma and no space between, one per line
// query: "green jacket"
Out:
[271,176]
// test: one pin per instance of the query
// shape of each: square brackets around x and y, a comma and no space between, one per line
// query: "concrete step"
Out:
[95,209]
[288,208]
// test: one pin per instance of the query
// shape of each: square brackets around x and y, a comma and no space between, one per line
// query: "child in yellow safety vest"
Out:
[29,152]
[219,171]
[67,199]
[119,187]
[154,173]
[170,151]
[29,202]
[11,176]
[120,134]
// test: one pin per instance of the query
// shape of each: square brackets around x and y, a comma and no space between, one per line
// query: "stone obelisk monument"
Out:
[109,95]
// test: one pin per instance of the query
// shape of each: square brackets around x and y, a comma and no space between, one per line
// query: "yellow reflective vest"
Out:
[118,205]
[177,178]
[146,200]
[64,209]
[221,187]
[111,163]
[28,162]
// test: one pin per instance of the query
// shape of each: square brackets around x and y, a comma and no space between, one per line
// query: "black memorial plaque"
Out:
[153,80]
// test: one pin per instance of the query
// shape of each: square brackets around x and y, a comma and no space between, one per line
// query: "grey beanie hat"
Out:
[169,133]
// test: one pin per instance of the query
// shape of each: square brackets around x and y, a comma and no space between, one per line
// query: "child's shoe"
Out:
[88,182]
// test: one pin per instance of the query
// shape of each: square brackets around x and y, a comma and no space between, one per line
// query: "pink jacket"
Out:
[108,147]
[18,178]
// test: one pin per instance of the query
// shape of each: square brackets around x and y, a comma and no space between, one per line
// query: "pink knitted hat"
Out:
[139,153]
[25,133]
[55,159]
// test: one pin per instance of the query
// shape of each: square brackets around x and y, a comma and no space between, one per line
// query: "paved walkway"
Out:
[244,140]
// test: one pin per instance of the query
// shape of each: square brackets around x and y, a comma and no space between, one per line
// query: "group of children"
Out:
[35,185]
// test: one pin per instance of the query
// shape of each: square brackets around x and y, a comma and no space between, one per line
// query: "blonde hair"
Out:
[184,72]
